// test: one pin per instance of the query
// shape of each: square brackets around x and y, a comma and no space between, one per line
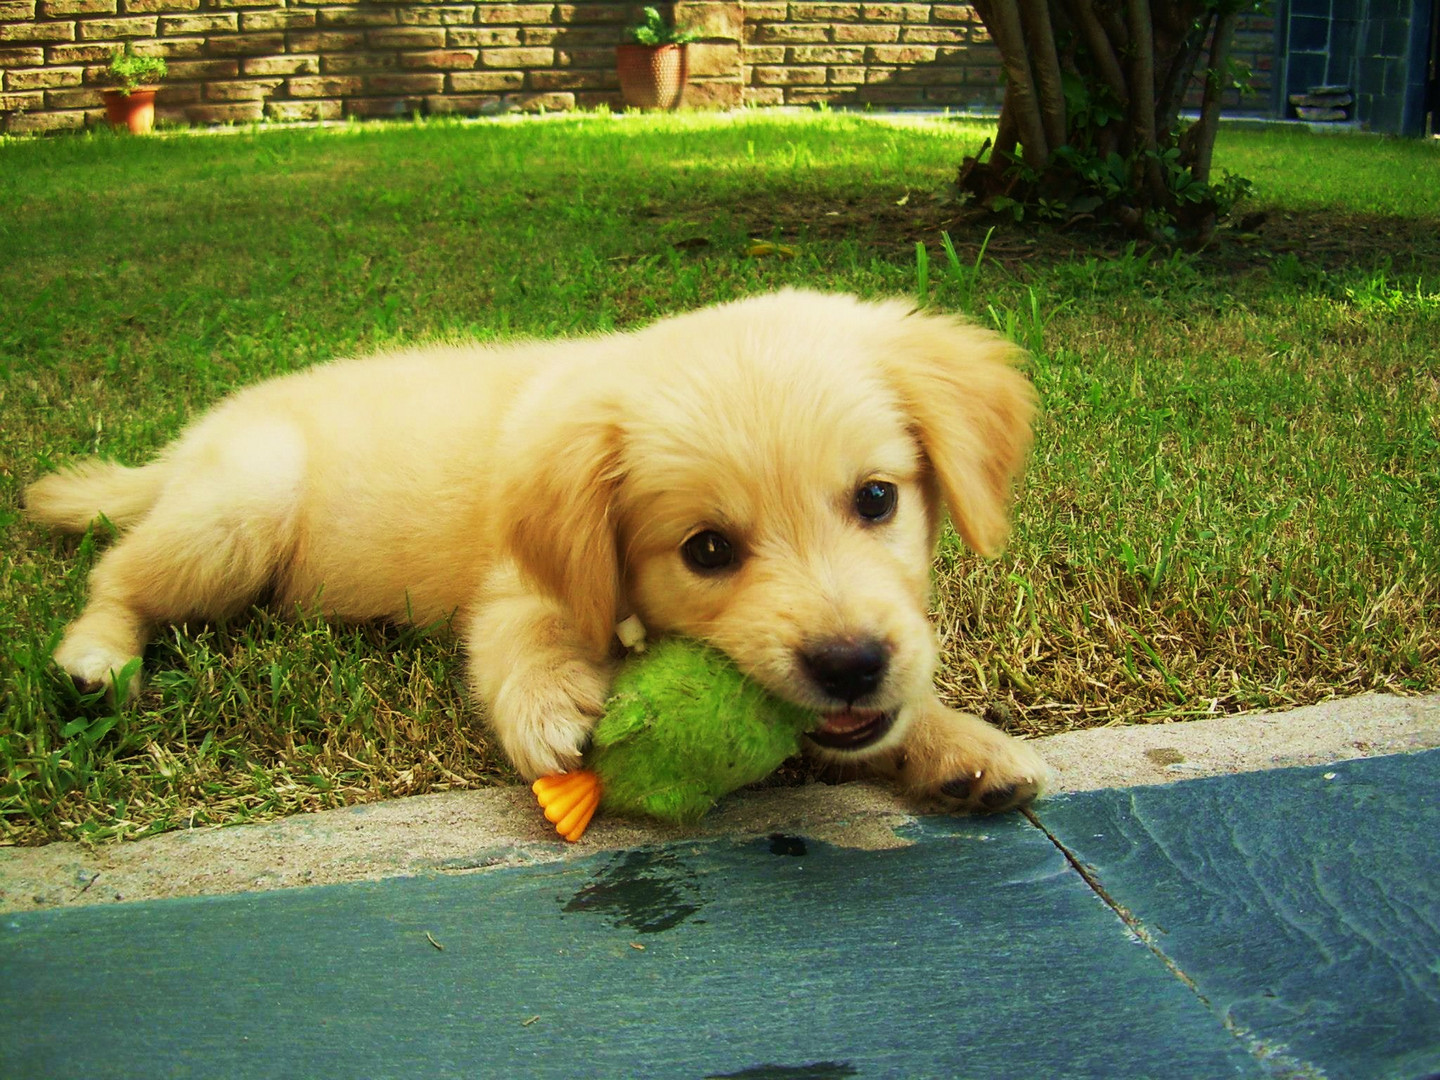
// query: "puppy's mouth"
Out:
[851,729]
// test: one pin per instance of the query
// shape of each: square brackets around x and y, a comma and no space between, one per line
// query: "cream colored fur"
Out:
[538,493]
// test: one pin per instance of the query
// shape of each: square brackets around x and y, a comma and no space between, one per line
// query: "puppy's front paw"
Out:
[989,791]
[544,720]
[94,664]
[964,765]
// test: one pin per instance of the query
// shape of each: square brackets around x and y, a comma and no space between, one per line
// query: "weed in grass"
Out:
[1025,322]
[965,279]
[1230,504]
[922,274]
[1133,273]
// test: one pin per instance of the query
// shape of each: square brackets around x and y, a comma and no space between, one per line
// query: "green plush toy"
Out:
[682,728]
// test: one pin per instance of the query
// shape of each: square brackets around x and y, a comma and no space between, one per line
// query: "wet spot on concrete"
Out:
[780,844]
[816,1070]
[647,891]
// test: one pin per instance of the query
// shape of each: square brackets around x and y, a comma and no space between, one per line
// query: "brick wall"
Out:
[1253,48]
[247,60]
[915,55]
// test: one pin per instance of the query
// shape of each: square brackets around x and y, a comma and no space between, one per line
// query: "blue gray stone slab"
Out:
[977,951]
[1303,903]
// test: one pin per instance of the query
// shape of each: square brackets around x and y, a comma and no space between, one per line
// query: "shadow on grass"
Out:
[1327,240]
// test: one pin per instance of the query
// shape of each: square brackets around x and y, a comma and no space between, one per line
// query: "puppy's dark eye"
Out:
[708,551]
[875,500]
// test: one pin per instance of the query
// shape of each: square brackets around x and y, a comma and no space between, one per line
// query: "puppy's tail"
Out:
[72,498]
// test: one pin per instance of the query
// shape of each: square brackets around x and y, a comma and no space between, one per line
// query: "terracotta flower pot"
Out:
[135,110]
[652,76]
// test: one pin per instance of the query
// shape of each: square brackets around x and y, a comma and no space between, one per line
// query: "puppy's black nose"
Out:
[846,669]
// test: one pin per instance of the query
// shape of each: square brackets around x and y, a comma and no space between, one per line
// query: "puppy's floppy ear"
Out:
[565,474]
[972,412]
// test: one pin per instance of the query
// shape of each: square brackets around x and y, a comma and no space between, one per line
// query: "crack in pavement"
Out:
[1270,1057]
[1128,917]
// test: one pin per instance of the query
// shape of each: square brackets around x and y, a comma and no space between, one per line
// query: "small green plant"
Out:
[965,277]
[656,31]
[127,72]
[922,273]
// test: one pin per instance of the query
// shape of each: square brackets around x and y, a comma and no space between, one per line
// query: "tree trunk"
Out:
[1136,60]
[1035,18]
[1002,19]
[1102,51]
[1182,70]
[1201,138]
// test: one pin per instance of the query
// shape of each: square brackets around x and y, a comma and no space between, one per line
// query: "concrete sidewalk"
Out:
[1283,922]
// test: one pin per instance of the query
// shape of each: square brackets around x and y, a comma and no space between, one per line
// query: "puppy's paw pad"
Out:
[980,792]
[1002,798]
[1000,773]
[960,788]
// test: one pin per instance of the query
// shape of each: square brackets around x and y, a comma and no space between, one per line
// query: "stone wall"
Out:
[248,60]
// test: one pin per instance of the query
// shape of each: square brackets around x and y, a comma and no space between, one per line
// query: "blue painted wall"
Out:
[1378,48]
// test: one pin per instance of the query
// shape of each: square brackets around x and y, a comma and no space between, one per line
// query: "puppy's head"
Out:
[768,476]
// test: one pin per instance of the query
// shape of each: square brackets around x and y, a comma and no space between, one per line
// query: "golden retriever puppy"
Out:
[767,475]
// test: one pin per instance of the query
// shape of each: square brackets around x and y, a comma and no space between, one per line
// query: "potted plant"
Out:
[130,102]
[654,65]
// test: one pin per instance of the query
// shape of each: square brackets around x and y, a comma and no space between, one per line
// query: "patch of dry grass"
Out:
[1231,507]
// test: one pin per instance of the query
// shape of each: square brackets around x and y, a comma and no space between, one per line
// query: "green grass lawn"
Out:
[1232,503]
